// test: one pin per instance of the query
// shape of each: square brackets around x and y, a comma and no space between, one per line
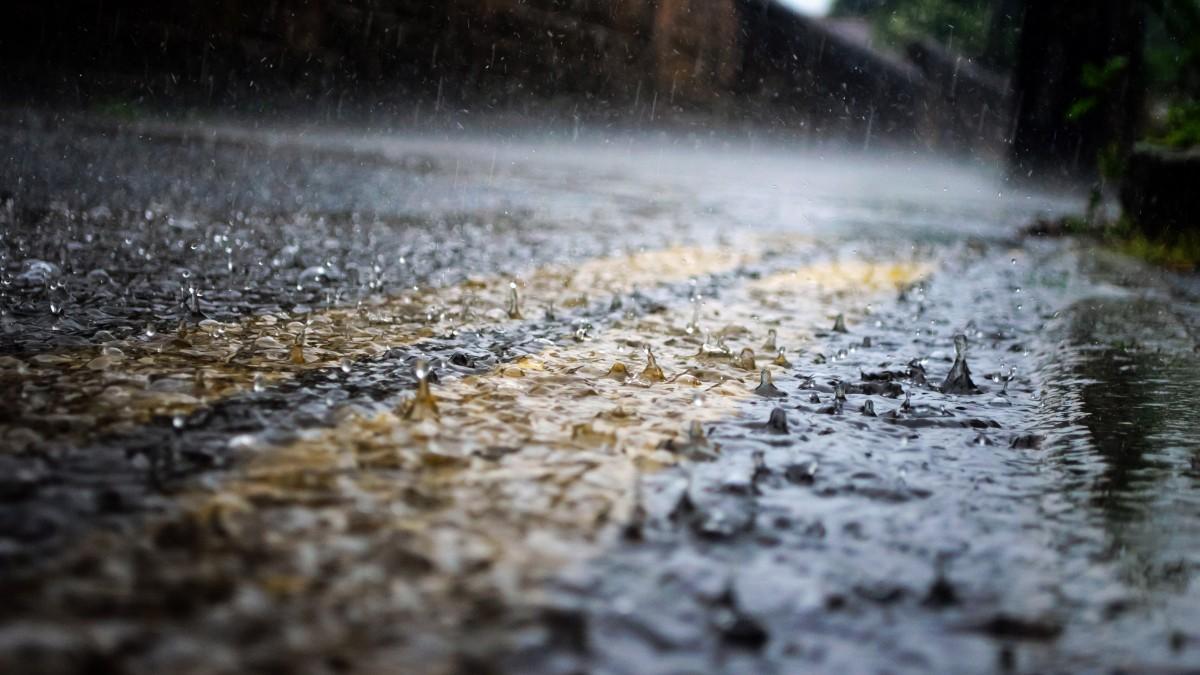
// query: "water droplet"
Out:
[781,359]
[766,387]
[514,301]
[652,372]
[745,360]
[193,300]
[694,446]
[693,326]
[769,345]
[958,380]
[778,421]
[423,405]
[618,372]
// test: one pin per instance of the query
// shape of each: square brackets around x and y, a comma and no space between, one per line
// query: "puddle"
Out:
[1122,401]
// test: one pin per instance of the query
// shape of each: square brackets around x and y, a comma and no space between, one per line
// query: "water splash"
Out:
[770,346]
[297,351]
[514,302]
[652,371]
[618,372]
[839,324]
[694,446]
[766,387]
[745,360]
[781,359]
[422,406]
[958,380]
[778,421]
[693,326]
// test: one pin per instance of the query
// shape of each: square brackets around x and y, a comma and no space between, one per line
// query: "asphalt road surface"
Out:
[310,399]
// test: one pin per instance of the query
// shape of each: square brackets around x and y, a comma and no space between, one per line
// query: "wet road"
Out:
[215,460]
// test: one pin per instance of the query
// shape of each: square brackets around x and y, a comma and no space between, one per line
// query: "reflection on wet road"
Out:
[696,407]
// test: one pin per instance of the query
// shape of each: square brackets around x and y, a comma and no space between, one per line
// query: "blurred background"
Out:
[1058,88]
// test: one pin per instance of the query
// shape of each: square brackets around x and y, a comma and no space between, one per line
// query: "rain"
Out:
[641,336]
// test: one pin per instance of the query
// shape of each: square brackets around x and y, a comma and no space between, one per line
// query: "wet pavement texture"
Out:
[697,405]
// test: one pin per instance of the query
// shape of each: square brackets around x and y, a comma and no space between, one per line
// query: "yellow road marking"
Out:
[530,467]
[124,383]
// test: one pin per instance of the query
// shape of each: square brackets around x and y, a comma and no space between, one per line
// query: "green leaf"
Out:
[1082,107]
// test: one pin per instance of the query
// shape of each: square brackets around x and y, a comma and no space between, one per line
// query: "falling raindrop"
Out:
[693,326]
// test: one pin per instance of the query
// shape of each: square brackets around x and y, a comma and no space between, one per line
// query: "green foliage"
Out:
[1175,250]
[962,24]
[1179,252]
[1097,78]
[1082,107]
[1182,129]
[1111,162]
[1097,81]
[1173,47]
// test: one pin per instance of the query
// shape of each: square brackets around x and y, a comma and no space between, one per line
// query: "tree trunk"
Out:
[1058,40]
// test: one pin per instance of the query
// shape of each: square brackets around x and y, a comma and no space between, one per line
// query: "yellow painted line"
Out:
[126,382]
[528,468]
